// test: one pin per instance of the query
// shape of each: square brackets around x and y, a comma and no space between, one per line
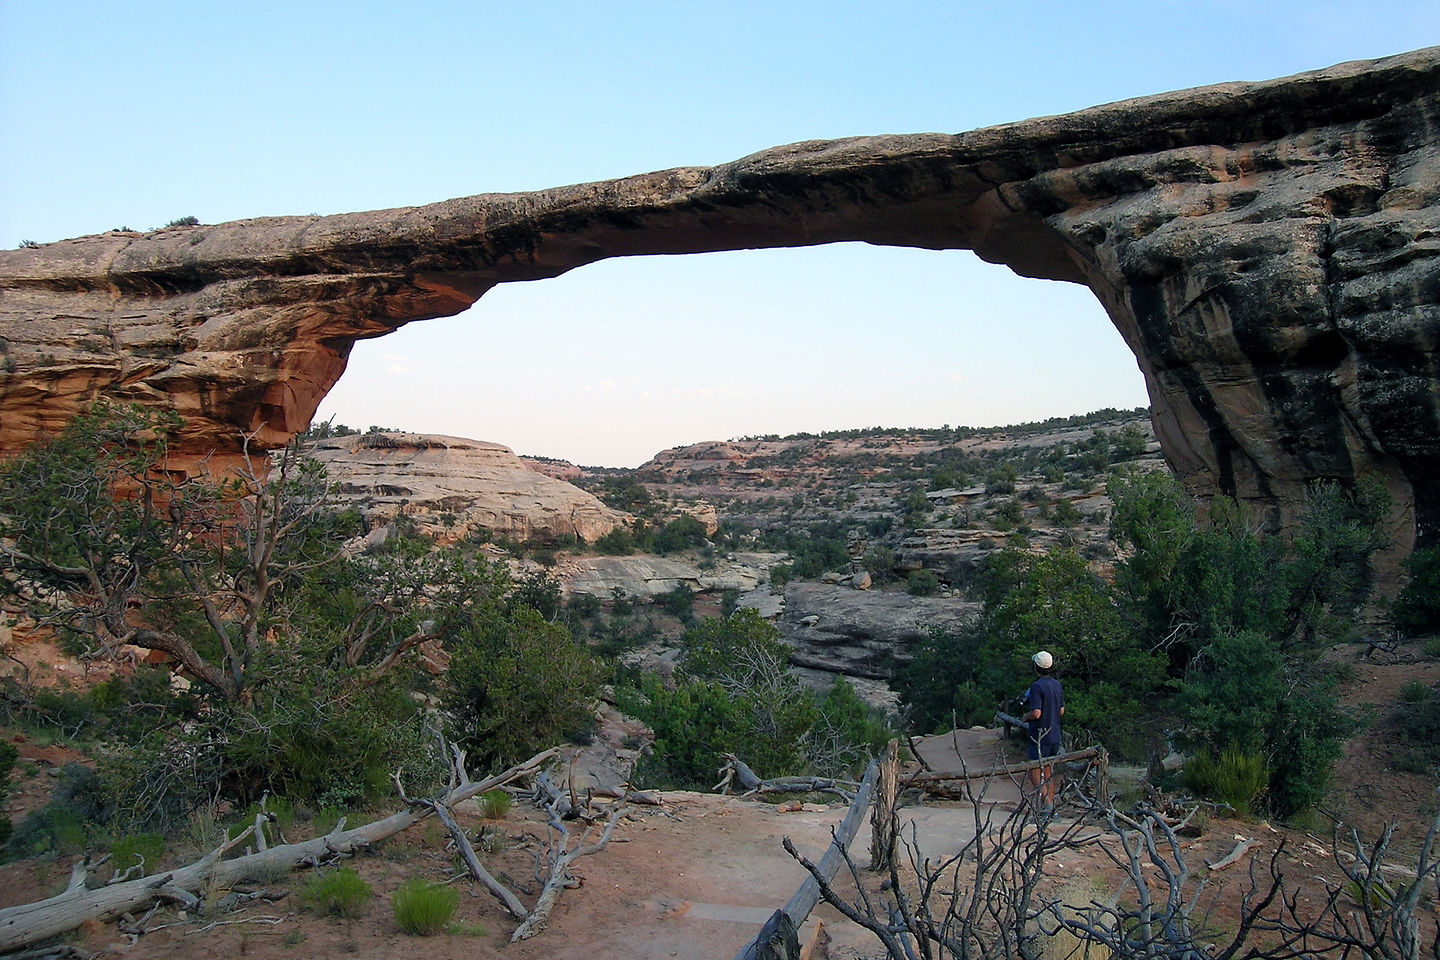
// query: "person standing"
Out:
[1045,705]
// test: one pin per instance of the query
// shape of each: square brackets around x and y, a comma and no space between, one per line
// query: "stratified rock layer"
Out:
[449,486]
[1269,251]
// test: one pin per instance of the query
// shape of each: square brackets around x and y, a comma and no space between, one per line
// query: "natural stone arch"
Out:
[1269,252]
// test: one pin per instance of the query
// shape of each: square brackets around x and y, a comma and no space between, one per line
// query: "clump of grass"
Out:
[494,804]
[1416,691]
[1237,777]
[342,893]
[423,909]
[1431,646]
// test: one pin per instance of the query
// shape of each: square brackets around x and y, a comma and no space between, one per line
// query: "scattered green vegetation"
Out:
[143,849]
[424,909]
[735,694]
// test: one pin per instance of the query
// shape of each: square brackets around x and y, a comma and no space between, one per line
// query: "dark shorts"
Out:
[1035,750]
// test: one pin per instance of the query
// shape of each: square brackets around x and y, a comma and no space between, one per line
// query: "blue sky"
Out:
[134,114]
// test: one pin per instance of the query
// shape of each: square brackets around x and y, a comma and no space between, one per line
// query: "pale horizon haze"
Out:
[137,114]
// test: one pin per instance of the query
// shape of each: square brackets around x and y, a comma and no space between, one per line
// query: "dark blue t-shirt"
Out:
[1046,696]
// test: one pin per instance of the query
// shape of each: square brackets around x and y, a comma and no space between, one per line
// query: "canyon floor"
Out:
[698,875]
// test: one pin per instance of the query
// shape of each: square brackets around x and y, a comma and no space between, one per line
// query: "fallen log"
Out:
[1241,848]
[27,924]
[798,907]
[937,784]
[736,769]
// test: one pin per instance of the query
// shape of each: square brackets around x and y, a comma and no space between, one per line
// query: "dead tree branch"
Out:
[561,856]
[28,924]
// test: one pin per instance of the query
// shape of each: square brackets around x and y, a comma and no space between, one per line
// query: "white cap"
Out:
[1043,660]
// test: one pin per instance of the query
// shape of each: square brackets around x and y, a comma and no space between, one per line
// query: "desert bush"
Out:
[846,732]
[8,757]
[1416,691]
[339,893]
[1001,479]
[424,909]
[619,542]
[679,602]
[1417,608]
[923,583]
[517,684]
[1236,777]
[880,564]
[682,533]
[1414,721]
[736,695]
[583,605]
[940,682]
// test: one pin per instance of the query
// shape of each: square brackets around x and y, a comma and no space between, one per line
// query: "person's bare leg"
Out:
[1037,784]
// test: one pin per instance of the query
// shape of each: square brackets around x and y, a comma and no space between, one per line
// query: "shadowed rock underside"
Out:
[1268,250]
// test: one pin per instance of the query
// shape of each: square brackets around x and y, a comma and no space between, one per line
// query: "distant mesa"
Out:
[1267,250]
[449,487]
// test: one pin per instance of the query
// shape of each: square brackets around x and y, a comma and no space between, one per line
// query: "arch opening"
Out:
[610,363]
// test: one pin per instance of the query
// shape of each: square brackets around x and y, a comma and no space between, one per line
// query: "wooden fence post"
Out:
[882,814]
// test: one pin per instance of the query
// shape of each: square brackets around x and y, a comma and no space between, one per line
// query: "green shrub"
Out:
[8,756]
[423,909]
[50,829]
[1237,778]
[923,583]
[1415,721]
[141,848]
[494,804]
[1431,647]
[516,685]
[80,805]
[679,602]
[583,605]
[1417,609]
[342,893]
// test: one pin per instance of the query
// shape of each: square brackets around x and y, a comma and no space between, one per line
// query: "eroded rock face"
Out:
[1268,250]
[449,486]
[843,631]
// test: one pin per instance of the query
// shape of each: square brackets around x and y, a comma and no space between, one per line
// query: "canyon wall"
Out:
[1268,250]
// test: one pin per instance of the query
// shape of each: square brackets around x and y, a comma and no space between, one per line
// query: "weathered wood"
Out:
[804,900]
[30,923]
[808,895]
[1241,848]
[882,816]
[477,869]
[778,939]
[560,877]
[920,779]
